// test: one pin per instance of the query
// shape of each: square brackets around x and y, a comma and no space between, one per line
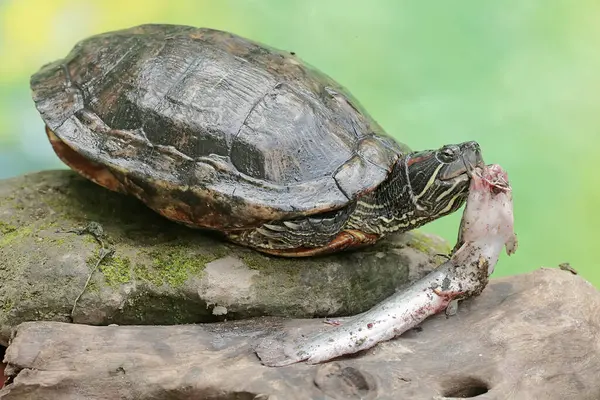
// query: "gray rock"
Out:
[164,273]
[533,336]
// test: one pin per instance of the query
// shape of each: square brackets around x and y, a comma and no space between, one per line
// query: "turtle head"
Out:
[438,180]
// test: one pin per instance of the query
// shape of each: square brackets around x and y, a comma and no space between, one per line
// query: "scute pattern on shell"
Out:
[227,131]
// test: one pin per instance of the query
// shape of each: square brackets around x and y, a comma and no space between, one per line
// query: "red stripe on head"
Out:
[417,159]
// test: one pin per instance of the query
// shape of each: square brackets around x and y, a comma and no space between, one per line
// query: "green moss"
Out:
[19,233]
[11,233]
[7,305]
[255,261]
[142,273]
[174,266]
[59,241]
[116,270]
[427,244]
[92,287]
[6,201]
[6,228]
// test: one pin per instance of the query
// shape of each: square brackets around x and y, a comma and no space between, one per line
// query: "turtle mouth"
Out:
[471,163]
[460,177]
[471,167]
[465,165]
[463,172]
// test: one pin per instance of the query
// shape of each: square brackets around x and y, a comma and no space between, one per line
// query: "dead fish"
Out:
[486,227]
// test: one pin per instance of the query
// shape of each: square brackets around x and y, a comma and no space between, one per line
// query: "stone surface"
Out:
[534,336]
[164,273]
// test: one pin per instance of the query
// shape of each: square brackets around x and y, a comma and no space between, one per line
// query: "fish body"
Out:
[487,226]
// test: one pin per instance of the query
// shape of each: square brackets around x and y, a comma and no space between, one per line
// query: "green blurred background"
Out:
[520,77]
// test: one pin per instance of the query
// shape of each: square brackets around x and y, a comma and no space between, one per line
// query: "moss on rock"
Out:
[6,228]
[427,243]
[174,265]
[7,305]
[15,234]
[116,270]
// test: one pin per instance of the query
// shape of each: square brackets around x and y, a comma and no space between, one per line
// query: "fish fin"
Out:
[512,244]
[460,255]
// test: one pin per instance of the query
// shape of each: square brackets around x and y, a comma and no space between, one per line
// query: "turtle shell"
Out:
[211,129]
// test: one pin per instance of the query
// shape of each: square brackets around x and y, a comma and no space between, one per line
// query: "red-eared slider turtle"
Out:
[216,131]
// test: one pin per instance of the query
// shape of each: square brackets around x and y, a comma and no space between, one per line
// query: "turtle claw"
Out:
[512,244]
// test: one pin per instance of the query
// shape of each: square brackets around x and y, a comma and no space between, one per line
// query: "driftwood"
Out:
[534,336]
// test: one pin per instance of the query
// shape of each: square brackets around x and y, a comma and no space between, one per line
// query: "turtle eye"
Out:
[448,154]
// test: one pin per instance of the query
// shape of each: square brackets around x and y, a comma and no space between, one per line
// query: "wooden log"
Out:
[533,336]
